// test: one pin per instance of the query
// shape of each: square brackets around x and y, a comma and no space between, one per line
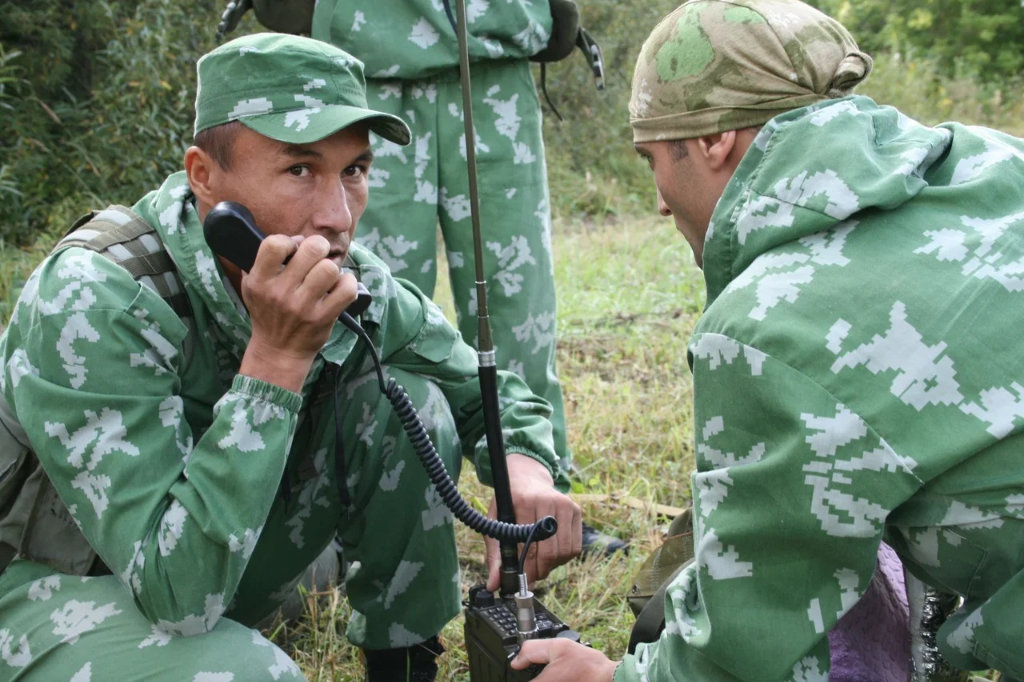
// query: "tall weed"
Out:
[915,86]
[102,110]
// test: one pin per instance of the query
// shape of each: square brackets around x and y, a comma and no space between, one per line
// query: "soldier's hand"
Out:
[564,659]
[534,497]
[294,295]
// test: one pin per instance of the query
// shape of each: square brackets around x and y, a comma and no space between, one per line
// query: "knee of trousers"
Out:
[378,447]
[69,627]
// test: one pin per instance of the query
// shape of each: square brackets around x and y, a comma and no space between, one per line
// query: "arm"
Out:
[99,394]
[415,336]
[790,500]
[95,368]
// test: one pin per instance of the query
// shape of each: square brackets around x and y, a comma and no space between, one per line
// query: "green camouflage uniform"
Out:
[204,493]
[411,56]
[855,378]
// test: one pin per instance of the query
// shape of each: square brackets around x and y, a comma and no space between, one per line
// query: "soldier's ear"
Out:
[716,149]
[198,168]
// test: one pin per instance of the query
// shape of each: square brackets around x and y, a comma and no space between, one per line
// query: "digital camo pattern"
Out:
[716,65]
[418,187]
[420,38]
[855,376]
[207,493]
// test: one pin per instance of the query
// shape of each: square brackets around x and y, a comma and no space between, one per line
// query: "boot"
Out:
[596,542]
[417,663]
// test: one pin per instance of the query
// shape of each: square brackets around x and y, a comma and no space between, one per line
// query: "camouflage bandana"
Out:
[288,88]
[717,65]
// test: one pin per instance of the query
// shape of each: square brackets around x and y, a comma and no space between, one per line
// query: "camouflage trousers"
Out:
[402,580]
[62,627]
[426,185]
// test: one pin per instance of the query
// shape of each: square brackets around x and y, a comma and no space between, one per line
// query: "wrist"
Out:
[526,463]
[275,366]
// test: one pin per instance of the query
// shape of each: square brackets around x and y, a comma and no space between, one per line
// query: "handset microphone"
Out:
[231,232]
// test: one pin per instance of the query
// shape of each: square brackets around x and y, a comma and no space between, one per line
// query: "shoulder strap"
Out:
[123,237]
[591,51]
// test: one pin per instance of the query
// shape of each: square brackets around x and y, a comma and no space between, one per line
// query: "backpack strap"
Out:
[123,237]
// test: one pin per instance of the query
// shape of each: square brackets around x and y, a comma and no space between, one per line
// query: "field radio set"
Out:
[496,626]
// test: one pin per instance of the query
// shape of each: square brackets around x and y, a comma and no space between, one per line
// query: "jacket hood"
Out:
[811,169]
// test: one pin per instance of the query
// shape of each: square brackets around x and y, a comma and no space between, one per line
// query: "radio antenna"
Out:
[487,367]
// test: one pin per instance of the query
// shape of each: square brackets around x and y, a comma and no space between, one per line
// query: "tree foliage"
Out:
[980,39]
[97,103]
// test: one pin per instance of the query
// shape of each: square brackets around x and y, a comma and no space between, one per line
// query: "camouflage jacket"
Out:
[407,39]
[856,377]
[168,465]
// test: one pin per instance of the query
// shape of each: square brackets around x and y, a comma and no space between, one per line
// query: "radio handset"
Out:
[231,232]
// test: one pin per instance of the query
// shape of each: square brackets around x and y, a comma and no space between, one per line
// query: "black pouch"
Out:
[285,16]
[565,26]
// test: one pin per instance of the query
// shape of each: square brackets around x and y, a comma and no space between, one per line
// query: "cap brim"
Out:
[303,126]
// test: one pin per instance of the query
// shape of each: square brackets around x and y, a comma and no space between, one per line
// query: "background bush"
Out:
[975,39]
[96,98]
[97,104]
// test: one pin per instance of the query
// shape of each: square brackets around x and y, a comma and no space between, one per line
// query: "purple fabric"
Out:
[871,642]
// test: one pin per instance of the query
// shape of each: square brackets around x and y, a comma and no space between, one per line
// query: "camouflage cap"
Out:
[289,88]
[717,65]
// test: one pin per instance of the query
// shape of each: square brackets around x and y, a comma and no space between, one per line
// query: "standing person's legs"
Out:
[414,185]
[515,221]
[400,221]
